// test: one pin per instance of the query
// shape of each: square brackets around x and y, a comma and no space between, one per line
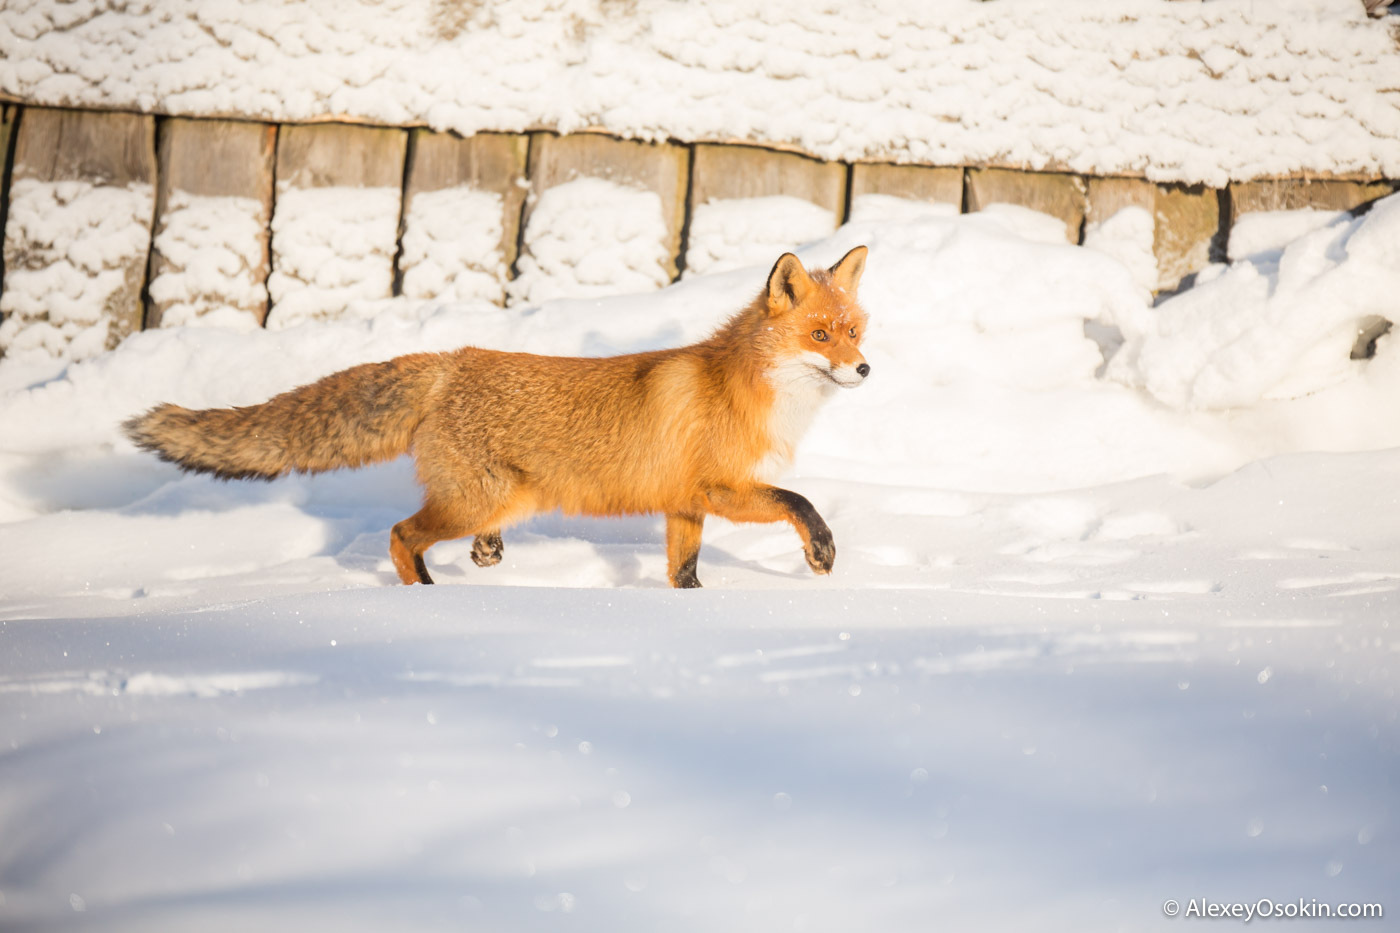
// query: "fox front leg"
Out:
[760,503]
[817,543]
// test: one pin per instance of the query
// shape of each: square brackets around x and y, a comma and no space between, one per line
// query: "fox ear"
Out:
[788,284]
[845,275]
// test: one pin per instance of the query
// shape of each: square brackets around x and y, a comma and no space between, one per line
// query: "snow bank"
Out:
[992,341]
[452,246]
[1128,236]
[874,208]
[1189,92]
[1271,231]
[330,247]
[70,248]
[213,249]
[1277,325]
[589,238]
[733,233]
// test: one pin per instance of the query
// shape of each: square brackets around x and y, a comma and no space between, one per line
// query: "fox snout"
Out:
[846,365]
[849,375]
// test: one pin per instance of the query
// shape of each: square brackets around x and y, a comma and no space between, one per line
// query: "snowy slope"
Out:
[1190,92]
[1088,646]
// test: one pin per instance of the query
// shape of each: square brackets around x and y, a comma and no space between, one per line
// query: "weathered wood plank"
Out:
[660,168]
[1186,221]
[329,155]
[213,206]
[604,216]
[335,219]
[1294,194]
[462,206]
[912,182]
[1188,231]
[729,172]
[8,115]
[1249,234]
[749,205]
[8,112]
[78,230]
[1053,193]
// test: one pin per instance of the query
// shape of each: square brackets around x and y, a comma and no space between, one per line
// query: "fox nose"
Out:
[863,370]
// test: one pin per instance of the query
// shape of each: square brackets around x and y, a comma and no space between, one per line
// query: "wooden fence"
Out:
[292,243]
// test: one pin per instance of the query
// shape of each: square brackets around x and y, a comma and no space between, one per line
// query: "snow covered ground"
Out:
[1112,623]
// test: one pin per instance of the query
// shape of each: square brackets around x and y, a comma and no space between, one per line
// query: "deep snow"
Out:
[1094,639]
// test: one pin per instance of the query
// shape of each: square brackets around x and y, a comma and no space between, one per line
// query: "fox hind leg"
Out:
[487,548]
[683,549]
[412,537]
[441,519]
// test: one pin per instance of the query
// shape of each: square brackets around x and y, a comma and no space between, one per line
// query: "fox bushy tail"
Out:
[360,415]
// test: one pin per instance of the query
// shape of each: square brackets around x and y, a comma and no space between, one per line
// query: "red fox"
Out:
[688,432]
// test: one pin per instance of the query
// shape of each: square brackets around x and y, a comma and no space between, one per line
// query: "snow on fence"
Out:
[117,221]
[210,256]
[263,164]
[1187,92]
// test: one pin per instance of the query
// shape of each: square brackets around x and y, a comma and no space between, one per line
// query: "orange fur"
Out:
[499,436]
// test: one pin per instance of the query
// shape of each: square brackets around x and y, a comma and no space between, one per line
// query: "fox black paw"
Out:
[487,550]
[686,580]
[821,556]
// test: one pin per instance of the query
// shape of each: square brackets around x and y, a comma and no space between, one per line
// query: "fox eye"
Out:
[853,331]
[819,335]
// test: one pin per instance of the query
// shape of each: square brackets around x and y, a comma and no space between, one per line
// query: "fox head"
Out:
[820,322]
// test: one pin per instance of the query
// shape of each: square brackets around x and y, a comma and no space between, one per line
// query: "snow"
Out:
[1101,632]
[214,253]
[1278,324]
[591,237]
[330,247]
[868,208]
[1271,231]
[1184,92]
[733,233]
[1129,236]
[70,247]
[452,246]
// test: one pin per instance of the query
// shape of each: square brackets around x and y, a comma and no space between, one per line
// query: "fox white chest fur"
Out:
[800,386]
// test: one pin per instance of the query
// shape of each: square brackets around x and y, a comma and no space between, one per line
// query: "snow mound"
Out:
[70,248]
[1128,236]
[452,246]
[330,247]
[992,350]
[213,247]
[738,232]
[589,238]
[1271,231]
[873,208]
[1276,325]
